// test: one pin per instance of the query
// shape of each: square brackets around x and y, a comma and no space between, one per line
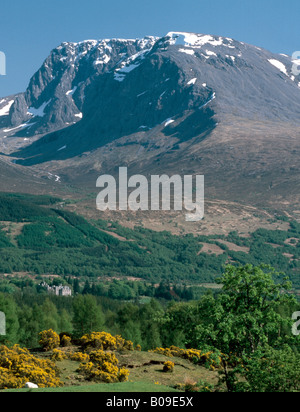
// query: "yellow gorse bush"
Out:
[105,341]
[123,375]
[49,340]
[99,357]
[193,355]
[79,357]
[65,341]
[18,366]
[100,364]
[103,367]
[169,366]
[58,355]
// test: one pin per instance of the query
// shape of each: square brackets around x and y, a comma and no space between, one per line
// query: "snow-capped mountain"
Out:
[171,101]
[242,77]
[55,95]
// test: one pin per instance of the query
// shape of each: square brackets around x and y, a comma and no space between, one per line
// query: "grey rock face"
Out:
[18,113]
[56,93]
[5,106]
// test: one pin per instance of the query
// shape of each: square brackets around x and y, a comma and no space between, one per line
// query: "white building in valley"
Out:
[58,290]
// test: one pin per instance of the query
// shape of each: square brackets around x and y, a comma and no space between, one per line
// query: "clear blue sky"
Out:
[30,29]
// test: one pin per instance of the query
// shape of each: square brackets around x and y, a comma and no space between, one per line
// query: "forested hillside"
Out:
[39,236]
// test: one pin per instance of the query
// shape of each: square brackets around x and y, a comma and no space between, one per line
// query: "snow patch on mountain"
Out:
[5,110]
[193,81]
[102,60]
[130,64]
[198,40]
[71,92]
[168,122]
[22,126]
[193,40]
[213,96]
[280,66]
[187,51]
[40,111]
[210,53]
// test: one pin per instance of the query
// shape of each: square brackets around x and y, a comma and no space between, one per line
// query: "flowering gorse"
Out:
[208,358]
[105,341]
[49,340]
[18,366]
[169,366]
[58,355]
[103,367]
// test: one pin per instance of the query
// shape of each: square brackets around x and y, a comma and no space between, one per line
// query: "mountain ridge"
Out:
[182,103]
[69,60]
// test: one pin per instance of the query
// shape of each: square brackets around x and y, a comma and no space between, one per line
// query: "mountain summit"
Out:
[244,77]
[183,102]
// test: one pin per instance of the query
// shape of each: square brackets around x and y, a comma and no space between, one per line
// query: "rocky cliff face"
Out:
[55,96]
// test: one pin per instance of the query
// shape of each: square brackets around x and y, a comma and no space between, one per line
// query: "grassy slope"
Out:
[146,375]
[107,388]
